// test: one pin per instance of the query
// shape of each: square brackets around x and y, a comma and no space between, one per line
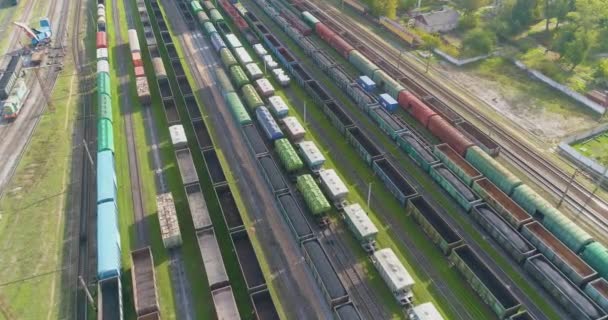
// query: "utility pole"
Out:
[597,186]
[88,293]
[305,122]
[86,147]
[369,193]
[561,199]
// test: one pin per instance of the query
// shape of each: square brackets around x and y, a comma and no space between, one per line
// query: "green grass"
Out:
[595,148]
[430,186]
[33,212]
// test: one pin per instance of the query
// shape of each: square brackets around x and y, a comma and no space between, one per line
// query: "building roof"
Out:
[311,153]
[425,311]
[333,183]
[439,17]
[393,269]
[359,219]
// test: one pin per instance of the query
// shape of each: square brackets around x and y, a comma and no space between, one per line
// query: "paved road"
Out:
[299,296]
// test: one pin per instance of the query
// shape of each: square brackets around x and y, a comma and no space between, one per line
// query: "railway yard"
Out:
[270,159]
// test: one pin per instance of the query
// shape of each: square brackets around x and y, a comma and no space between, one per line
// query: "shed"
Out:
[278,107]
[360,222]
[311,154]
[178,136]
[442,20]
[333,185]
[294,129]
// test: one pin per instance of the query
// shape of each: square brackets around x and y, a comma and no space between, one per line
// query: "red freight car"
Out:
[136,58]
[102,40]
[405,98]
[324,32]
[420,111]
[139,72]
[443,130]
[343,47]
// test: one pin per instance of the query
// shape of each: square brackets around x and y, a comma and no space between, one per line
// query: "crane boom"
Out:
[30,33]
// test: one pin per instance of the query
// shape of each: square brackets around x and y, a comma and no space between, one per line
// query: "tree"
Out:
[391,9]
[429,43]
[601,73]
[573,44]
[523,14]
[479,41]
[471,5]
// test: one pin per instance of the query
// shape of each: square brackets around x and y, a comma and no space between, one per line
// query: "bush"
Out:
[601,73]
[468,22]
[479,41]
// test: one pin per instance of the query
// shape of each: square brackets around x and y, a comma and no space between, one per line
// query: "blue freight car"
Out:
[217,41]
[108,241]
[388,102]
[270,126]
[106,178]
[366,83]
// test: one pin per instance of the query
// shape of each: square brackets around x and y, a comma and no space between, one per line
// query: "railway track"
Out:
[353,276]
[517,152]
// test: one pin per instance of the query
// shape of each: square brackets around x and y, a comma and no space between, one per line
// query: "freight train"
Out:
[456,179]
[108,235]
[315,197]
[564,229]
[13,104]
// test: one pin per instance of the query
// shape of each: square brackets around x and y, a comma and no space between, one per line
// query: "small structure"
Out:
[167,218]
[442,20]
[395,275]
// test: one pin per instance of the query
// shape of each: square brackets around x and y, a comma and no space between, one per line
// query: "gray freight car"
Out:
[597,290]
[109,299]
[198,207]
[212,259]
[439,230]
[508,238]
[145,298]
[225,305]
[263,306]
[186,166]
[295,217]
[361,226]
[454,186]
[394,181]
[347,312]
[254,278]
[483,280]
[563,290]
[324,272]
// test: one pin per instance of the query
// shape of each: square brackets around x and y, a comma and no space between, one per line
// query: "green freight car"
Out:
[227,57]
[103,83]
[196,6]
[239,78]
[105,135]
[314,198]
[237,109]
[288,155]
[252,98]
[387,83]
[215,16]
[224,82]
[209,28]
[309,19]
[493,170]
[362,63]
[104,107]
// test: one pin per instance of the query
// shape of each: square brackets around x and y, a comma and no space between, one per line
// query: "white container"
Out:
[294,129]
[259,50]
[133,40]
[270,63]
[333,185]
[103,66]
[254,71]
[242,55]
[178,136]
[159,67]
[102,54]
[278,107]
[264,87]
[233,41]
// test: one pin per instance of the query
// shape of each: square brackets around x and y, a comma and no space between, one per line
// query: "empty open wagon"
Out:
[144,282]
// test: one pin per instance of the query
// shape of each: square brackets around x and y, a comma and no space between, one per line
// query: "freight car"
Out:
[278,107]
[597,290]
[499,201]
[268,124]
[288,155]
[458,165]
[198,207]
[225,305]
[15,101]
[212,259]
[295,131]
[361,226]
[439,230]
[263,306]
[483,280]
[394,181]
[229,209]
[312,155]
[227,58]
[324,272]
[252,272]
[295,217]
[11,73]
[565,292]
[313,197]
[494,171]
[425,311]
[144,282]
[333,186]
[394,275]
[347,312]
[167,219]
[455,187]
